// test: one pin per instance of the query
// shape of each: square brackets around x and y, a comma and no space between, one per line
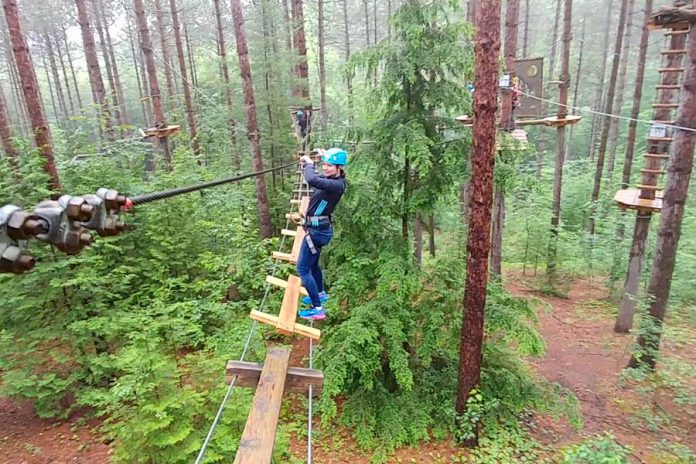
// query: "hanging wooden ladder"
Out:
[646,197]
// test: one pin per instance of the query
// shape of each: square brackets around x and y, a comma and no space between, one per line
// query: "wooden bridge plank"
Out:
[297,380]
[299,329]
[258,438]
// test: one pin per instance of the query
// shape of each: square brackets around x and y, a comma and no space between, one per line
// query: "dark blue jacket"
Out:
[327,192]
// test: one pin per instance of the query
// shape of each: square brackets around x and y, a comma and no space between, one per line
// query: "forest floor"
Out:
[583,354]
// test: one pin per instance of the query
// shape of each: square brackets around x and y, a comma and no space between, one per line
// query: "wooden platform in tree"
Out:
[630,199]
[671,17]
[551,121]
[297,379]
[161,132]
[258,438]
[285,321]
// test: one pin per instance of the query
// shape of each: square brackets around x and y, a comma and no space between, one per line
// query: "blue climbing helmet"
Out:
[335,156]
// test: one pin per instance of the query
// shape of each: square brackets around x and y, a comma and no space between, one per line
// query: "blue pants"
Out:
[308,263]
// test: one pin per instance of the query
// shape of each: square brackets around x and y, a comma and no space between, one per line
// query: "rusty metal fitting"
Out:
[77,208]
[16,260]
[22,226]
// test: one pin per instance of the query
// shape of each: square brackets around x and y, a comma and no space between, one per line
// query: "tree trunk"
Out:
[30,88]
[541,148]
[627,306]
[478,242]
[288,25]
[389,15]
[117,77]
[252,124]
[232,124]
[141,93]
[607,119]
[576,89]
[431,232]
[374,21]
[164,45]
[6,137]
[56,77]
[72,67]
[618,104]
[107,62]
[637,97]
[64,70]
[155,96]
[418,239]
[349,73]
[560,140]
[301,89]
[51,92]
[185,83]
[471,8]
[367,23]
[322,68]
[674,202]
[17,97]
[600,86]
[191,58]
[95,76]
[525,39]
[269,89]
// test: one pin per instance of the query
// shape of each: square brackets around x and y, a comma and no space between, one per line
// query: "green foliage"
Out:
[508,445]
[601,449]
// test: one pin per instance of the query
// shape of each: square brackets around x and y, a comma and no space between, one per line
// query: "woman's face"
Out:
[329,170]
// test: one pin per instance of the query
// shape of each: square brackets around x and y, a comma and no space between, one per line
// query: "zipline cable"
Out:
[149,197]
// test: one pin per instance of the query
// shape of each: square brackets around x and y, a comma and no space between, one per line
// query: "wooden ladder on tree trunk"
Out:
[646,197]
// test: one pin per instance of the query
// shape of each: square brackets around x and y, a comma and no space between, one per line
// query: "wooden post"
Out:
[258,438]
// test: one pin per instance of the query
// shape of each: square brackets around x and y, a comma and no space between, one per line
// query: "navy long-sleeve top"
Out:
[327,192]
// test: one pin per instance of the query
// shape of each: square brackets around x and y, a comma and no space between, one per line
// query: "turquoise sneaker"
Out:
[323,297]
[313,313]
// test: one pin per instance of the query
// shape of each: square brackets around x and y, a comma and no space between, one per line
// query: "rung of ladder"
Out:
[657,155]
[679,32]
[652,171]
[665,105]
[299,329]
[668,87]
[288,232]
[674,52]
[283,284]
[648,187]
[670,70]
[660,139]
[667,123]
[284,257]
[295,202]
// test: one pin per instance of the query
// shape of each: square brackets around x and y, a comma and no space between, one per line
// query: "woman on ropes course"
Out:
[328,190]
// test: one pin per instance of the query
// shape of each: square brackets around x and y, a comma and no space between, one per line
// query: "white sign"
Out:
[504,81]
[658,131]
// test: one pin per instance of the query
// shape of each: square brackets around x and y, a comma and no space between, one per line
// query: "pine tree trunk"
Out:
[6,136]
[560,141]
[349,73]
[389,15]
[30,88]
[56,77]
[674,202]
[16,87]
[525,39]
[431,232]
[232,124]
[136,67]
[95,76]
[478,246]
[64,70]
[185,83]
[618,104]
[107,63]
[72,68]
[166,56]
[51,91]
[114,65]
[252,124]
[418,239]
[601,153]
[367,23]
[191,59]
[598,100]
[155,96]
[374,21]
[497,233]
[578,74]
[322,68]
[301,89]
[269,90]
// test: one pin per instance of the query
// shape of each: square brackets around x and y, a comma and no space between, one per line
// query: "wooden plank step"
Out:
[668,87]
[284,257]
[258,438]
[674,52]
[297,380]
[667,123]
[670,70]
[665,105]
[283,284]
[660,139]
[299,329]
[679,32]
[288,232]
[295,202]
[652,171]
[657,155]
[648,187]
